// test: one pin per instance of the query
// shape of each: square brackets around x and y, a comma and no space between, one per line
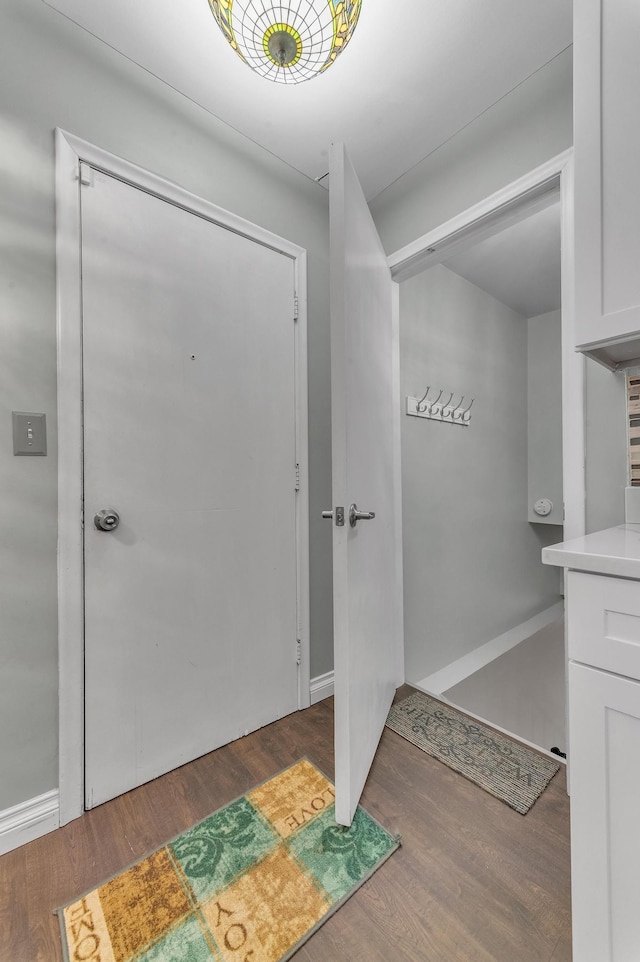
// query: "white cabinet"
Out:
[607,199]
[605,809]
[604,618]
[604,708]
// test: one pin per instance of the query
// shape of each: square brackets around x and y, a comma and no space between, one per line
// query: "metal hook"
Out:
[454,413]
[419,407]
[466,411]
[436,401]
[444,406]
[441,410]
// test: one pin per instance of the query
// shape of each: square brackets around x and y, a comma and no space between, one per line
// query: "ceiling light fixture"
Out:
[288,41]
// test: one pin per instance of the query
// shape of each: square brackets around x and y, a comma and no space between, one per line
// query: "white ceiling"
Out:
[519,266]
[399,90]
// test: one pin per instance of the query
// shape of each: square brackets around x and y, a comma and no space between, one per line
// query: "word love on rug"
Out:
[250,883]
[505,768]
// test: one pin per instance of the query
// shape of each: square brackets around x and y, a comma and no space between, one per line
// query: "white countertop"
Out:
[614,551]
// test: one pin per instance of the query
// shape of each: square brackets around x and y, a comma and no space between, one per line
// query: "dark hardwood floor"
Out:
[473,879]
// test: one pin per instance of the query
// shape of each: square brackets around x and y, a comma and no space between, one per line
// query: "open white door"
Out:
[367,585]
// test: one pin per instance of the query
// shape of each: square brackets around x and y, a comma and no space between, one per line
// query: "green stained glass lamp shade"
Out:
[287,44]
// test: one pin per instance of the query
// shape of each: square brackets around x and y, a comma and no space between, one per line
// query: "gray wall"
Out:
[54,74]
[544,421]
[472,565]
[527,127]
[606,444]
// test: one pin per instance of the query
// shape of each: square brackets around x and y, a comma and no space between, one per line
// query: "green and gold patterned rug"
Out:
[250,883]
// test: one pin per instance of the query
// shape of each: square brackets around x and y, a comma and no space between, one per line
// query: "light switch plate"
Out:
[29,434]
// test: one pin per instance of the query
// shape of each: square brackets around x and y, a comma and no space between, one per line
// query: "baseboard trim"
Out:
[29,820]
[321,687]
[460,669]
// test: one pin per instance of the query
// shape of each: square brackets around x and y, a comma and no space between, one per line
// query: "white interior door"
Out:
[189,434]
[367,596]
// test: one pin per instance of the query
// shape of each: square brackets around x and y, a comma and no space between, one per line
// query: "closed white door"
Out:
[367,580]
[189,435]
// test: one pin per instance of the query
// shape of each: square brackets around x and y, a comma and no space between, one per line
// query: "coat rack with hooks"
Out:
[437,409]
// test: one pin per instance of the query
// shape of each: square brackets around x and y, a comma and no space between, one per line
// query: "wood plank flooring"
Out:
[473,879]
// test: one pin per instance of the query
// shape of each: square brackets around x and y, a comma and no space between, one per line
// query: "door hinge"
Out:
[295,308]
[297,487]
[298,651]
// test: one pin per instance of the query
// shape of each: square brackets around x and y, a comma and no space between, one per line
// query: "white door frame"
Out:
[70,153]
[480,220]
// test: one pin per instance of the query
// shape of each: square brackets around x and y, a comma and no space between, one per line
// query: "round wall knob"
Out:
[107,519]
[543,507]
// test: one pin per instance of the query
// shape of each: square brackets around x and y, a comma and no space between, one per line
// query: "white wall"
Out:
[472,563]
[54,74]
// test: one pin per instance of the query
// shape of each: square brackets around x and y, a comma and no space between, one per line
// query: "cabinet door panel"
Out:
[605,802]
[607,143]
[605,617]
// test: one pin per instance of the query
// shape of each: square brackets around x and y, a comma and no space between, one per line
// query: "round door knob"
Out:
[107,519]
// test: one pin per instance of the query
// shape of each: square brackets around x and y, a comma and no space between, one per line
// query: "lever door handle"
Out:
[355,515]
